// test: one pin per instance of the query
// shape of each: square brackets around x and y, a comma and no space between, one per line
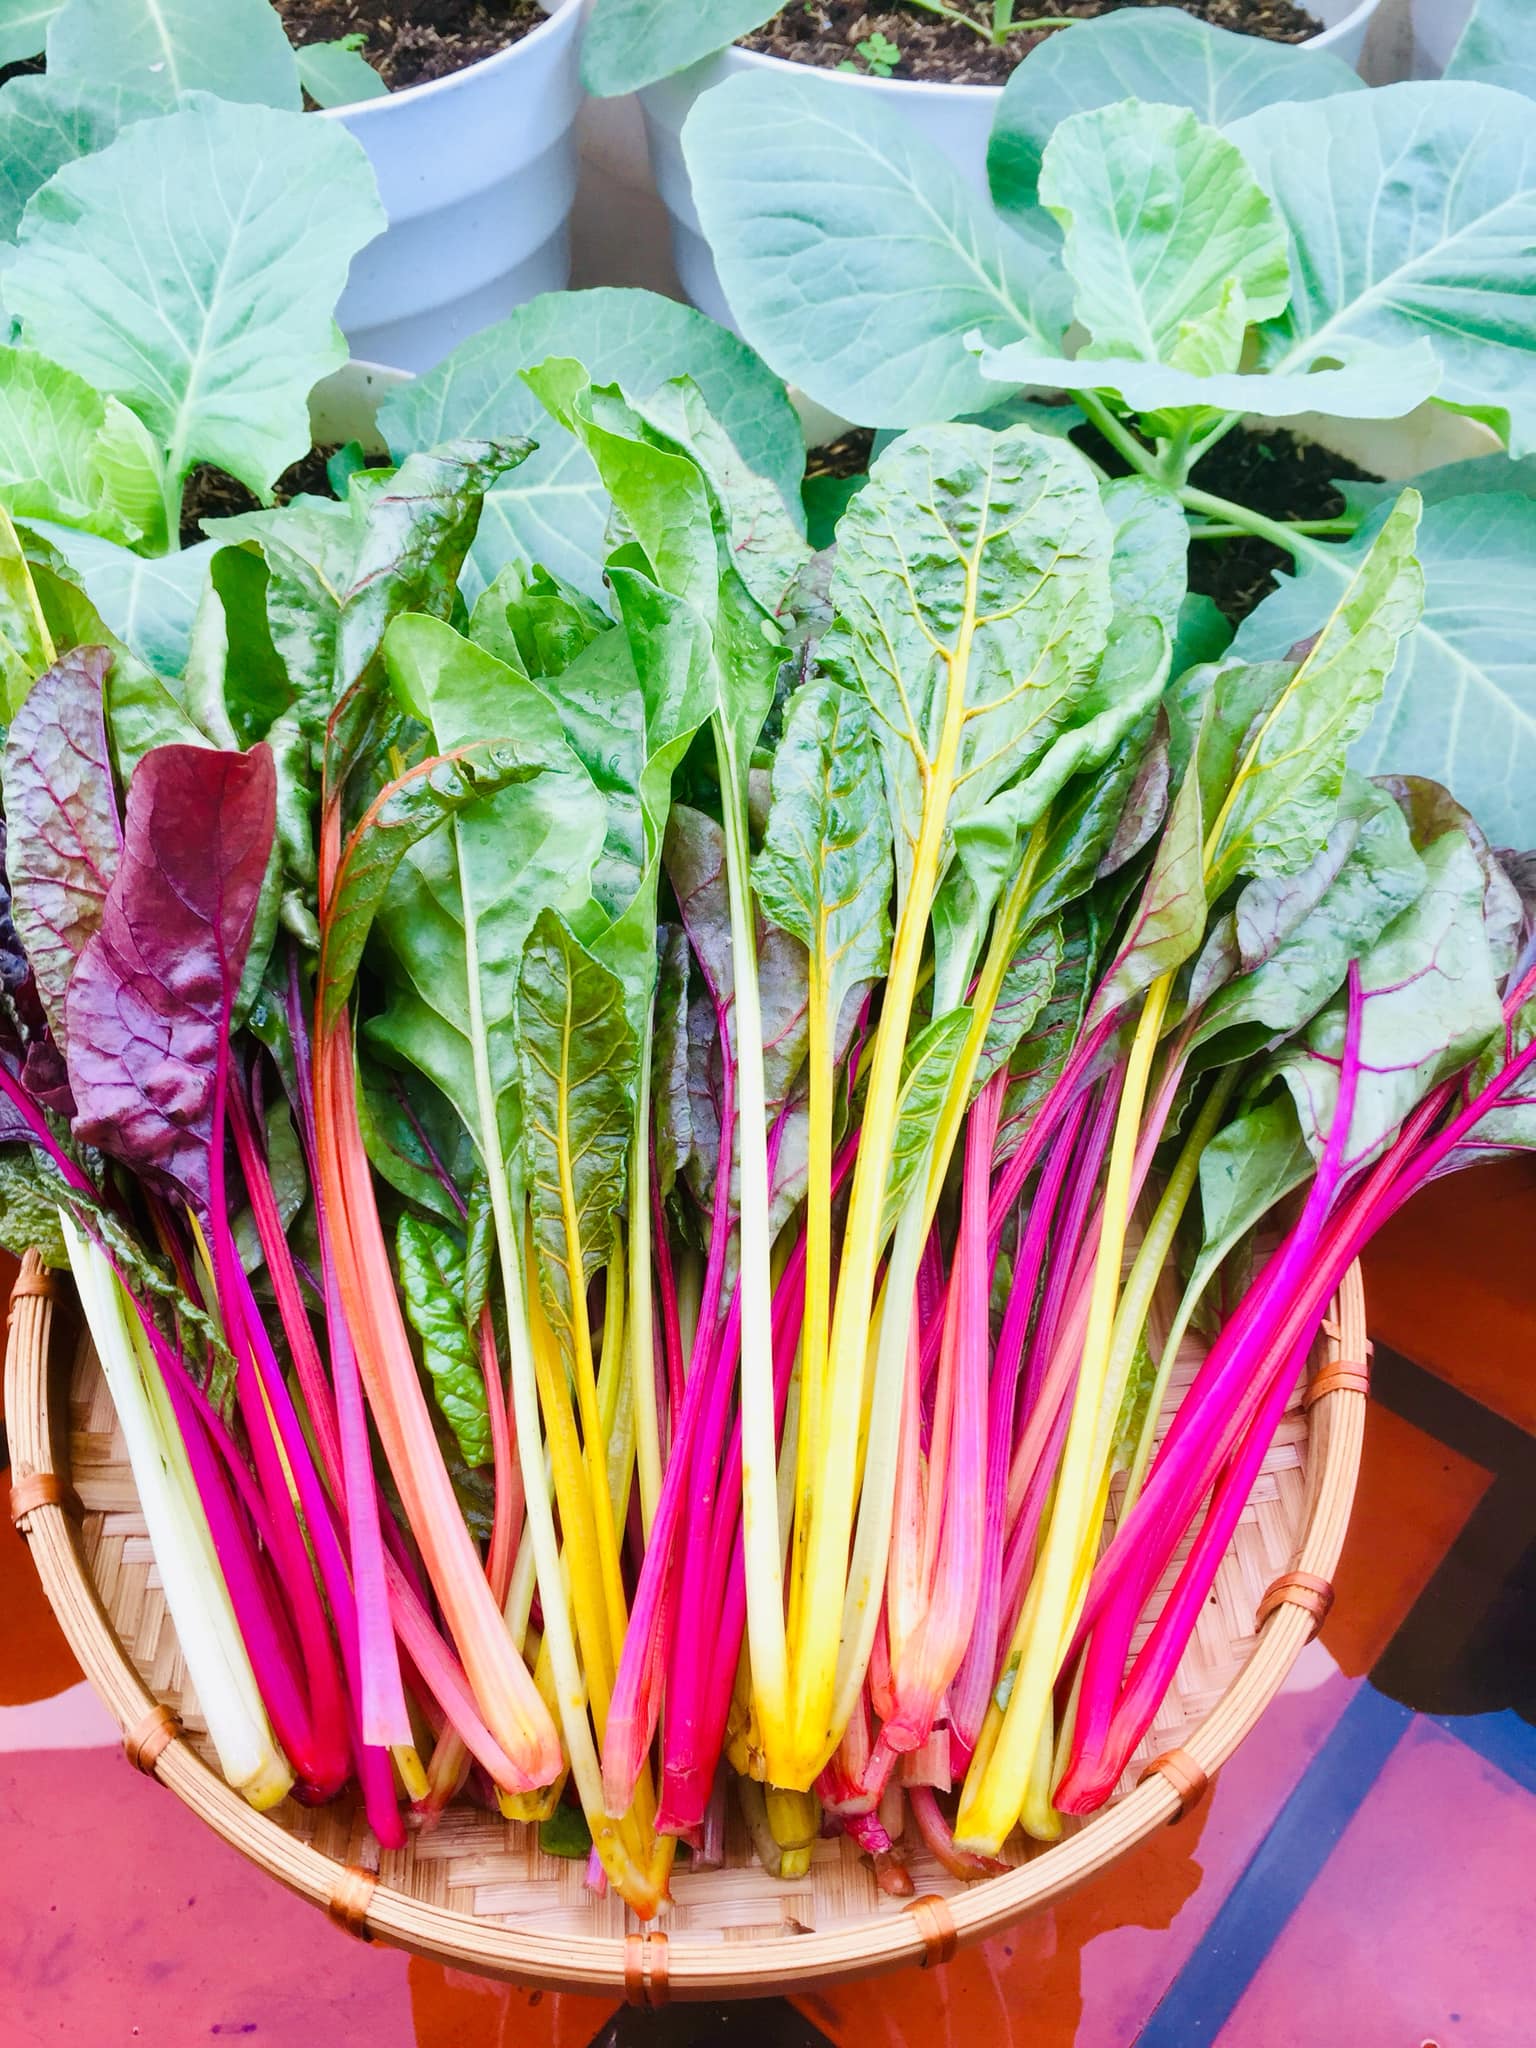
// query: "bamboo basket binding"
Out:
[477,1893]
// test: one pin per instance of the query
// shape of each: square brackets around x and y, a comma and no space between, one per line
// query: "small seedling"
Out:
[876,55]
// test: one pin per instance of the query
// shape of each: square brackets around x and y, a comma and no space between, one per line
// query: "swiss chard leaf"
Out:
[499,863]
[402,815]
[150,1000]
[927,1073]
[1429,1003]
[579,1068]
[1277,811]
[831,220]
[1026,989]
[431,1268]
[1286,966]
[191,269]
[1040,1055]
[61,809]
[825,870]
[1000,539]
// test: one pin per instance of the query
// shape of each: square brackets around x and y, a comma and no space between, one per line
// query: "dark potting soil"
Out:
[846,457]
[409,42]
[210,494]
[1275,473]
[830,33]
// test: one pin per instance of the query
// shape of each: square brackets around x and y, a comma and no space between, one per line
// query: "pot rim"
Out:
[943,89]
[377,109]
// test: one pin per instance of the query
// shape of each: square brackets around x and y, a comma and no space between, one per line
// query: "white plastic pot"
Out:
[955,118]
[477,173]
[1437,27]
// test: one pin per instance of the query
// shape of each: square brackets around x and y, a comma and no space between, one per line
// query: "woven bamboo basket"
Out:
[477,1893]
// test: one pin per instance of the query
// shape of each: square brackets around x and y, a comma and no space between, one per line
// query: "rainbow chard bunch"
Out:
[628,1163]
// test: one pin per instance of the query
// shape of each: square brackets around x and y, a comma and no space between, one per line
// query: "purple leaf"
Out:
[62,808]
[150,1000]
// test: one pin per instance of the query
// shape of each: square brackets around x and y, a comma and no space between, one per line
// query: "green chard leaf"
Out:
[1027,984]
[579,1072]
[1430,1003]
[431,1268]
[1042,1051]
[672,1121]
[927,1072]
[957,524]
[825,870]
[1277,812]
[501,861]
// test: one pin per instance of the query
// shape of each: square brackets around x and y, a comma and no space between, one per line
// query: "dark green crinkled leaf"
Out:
[431,1268]
[927,1072]
[579,1070]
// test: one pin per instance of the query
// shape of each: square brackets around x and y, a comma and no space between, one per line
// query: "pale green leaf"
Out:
[1367,382]
[338,74]
[1496,47]
[1161,218]
[132,468]
[631,43]
[854,255]
[1411,211]
[164,48]
[149,602]
[191,269]
[554,510]
[1159,54]
[24,28]
[45,124]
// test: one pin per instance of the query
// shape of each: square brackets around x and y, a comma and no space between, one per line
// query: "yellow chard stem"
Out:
[825,1573]
[992,1797]
[818,1261]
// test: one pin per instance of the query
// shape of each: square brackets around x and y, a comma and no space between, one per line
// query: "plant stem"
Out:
[1225,512]
[759,1467]
[1230,531]
[1140,457]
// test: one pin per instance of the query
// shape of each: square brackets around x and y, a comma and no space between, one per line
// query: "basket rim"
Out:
[649,1967]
